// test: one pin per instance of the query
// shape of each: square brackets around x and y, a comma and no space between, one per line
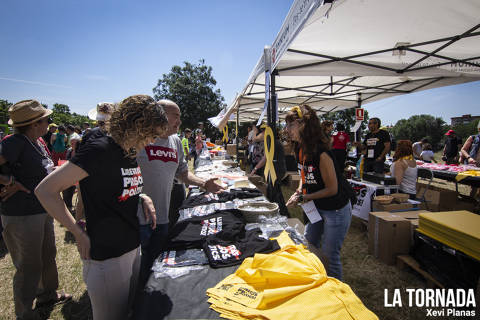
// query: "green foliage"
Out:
[61,115]
[4,105]
[192,88]
[421,126]
[465,130]
[347,118]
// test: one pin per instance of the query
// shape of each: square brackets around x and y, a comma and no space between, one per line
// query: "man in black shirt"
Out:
[451,148]
[378,144]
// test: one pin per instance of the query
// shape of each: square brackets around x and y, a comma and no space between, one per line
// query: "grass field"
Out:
[367,276]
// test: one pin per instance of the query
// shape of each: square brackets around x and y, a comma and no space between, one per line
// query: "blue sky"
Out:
[83,52]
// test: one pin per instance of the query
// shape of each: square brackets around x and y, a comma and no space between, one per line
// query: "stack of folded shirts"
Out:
[457,229]
[290,283]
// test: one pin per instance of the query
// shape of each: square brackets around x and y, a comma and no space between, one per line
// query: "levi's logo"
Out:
[161,153]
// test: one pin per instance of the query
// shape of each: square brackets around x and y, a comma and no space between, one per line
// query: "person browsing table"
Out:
[111,188]
[321,182]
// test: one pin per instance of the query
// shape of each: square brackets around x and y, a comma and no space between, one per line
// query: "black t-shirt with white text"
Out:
[191,233]
[110,196]
[229,252]
[375,143]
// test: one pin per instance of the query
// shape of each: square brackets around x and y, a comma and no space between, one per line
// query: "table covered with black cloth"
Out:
[473,181]
[185,297]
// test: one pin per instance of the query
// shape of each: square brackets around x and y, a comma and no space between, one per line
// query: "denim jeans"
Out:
[329,233]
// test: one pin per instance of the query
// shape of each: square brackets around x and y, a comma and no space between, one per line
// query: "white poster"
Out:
[364,199]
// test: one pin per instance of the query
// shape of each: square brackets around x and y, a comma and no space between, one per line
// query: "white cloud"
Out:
[46,84]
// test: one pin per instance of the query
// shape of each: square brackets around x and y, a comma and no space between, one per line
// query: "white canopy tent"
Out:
[341,54]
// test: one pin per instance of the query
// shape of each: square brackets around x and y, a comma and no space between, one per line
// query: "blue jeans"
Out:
[329,233]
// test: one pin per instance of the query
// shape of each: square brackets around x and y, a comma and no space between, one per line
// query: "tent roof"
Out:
[330,54]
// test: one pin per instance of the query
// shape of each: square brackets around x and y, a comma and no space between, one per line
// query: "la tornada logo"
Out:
[437,302]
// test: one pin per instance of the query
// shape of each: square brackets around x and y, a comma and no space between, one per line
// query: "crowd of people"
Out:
[122,211]
[130,173]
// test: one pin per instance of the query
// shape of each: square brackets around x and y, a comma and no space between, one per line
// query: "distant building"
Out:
[466,118]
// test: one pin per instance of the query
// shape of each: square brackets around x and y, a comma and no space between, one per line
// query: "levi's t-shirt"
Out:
[160,163]
[110,196]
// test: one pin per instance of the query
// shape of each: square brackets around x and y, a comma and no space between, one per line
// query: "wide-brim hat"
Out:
[26,112]
[102,112]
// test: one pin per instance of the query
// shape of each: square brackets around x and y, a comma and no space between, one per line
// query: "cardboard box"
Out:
[391,234]
[377,206]
[438,199]
[388,236]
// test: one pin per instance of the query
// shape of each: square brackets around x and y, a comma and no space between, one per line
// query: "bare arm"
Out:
[399,172]
[48,193]
[259,165]
[258,137]
[466,147]
[209,185]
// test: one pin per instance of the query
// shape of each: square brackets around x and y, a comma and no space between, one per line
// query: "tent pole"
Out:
[273,103]
[236,130]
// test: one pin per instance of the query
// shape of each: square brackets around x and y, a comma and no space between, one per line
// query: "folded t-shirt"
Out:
[229,252]
[191,233]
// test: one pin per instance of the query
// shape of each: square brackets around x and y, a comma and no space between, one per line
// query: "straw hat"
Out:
[102,112]
[26,112]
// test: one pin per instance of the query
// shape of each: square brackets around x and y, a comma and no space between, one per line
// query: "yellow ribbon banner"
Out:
[269,153]
[225,134]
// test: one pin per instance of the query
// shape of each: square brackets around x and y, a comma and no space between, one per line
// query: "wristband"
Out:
[11,181]
[81,224]
[300,197]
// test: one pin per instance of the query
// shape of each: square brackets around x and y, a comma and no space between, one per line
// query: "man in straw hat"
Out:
[28,230]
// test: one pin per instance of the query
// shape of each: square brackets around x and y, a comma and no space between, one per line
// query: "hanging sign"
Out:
[359,114]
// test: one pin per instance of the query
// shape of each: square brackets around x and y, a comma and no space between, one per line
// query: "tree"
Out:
[61,114]
[4,116]
[464,131]
[420,126]
[192,88]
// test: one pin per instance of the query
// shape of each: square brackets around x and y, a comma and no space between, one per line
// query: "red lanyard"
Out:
[302,171]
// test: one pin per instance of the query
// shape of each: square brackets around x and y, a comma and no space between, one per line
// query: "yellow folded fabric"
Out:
[457,229]
[468,173]
[280,285]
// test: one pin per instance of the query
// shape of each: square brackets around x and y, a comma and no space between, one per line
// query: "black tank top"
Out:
[314,181]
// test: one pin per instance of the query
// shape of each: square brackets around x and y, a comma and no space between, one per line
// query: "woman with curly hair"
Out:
[404,168]
[111,183]
[321,183]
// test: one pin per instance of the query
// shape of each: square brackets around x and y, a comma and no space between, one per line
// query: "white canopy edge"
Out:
[334,56]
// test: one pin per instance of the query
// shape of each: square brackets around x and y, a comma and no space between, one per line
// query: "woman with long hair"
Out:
[321,183]
[111,184]
[404,168]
